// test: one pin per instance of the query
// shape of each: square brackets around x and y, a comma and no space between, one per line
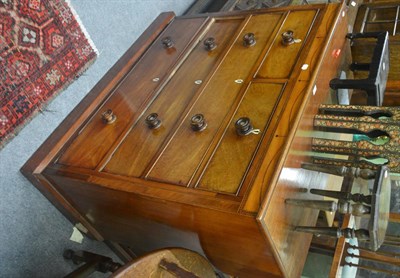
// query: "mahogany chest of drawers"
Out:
[161,152]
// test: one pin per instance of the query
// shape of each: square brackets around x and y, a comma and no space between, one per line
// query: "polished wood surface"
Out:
[258,104]
[280,60]
[171,103]
[78,117]
[212,191]
[276,218]
[129,97]
[215,103]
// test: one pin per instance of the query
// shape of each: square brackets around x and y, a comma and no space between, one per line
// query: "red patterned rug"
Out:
[43,48]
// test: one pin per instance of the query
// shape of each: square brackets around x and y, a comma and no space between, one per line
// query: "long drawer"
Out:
[127,99]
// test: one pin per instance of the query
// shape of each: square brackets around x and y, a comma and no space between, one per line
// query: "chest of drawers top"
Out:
[243,74]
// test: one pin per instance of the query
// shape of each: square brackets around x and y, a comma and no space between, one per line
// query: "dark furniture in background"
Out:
[209,6]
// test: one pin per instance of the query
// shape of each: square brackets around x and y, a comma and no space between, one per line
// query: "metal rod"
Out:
[396,20]
[364,20]
[391,238]
[373,268]
[392,254]
[378,260]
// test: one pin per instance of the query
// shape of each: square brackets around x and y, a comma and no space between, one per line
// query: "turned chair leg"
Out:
[360,234]
[346,196]
[343,207]
[92,262]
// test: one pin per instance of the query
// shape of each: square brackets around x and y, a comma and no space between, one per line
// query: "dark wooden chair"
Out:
[374,85]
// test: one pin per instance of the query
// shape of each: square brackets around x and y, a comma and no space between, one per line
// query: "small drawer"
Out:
[180,160]
[130,95]
[236,150]
[282,57]
[142,143]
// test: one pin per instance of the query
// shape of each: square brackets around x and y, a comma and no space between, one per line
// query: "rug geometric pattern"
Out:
[43,48]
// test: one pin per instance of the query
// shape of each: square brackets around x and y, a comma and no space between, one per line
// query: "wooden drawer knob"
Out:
[210,44]
[287,37]
[167,42]
[244,127]
[108,117]
[198,123]
[152,121]
[249,39]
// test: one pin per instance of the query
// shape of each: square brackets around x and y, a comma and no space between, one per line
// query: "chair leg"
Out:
[346,196]
[340,170]
[359,66]
[360,234]
[93,262]
[314,204]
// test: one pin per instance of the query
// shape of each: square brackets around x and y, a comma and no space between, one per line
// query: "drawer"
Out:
[130,96]
[281,58]
[181,158]
[142,143]
[235,153]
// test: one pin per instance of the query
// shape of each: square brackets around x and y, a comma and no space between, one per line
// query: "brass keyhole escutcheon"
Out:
[152,121]
[108,117]
[198,123]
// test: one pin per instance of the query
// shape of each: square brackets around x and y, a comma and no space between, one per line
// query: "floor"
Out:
[33,234]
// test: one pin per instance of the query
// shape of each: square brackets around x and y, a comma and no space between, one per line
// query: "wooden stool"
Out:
[377,205]
[168,263]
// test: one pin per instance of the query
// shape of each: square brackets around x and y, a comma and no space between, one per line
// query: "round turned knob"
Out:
[167,42]
[198,123]
[249,39]
[287,37]
[210,44]
[153,121]
[108,117]
[243,126]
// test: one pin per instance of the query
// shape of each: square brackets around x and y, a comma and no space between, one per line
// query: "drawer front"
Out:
[180,160]
[142,143]
[281,58]
[129,97]
[235,152]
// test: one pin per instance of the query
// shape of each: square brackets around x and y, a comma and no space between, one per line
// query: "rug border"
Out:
[82,26]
